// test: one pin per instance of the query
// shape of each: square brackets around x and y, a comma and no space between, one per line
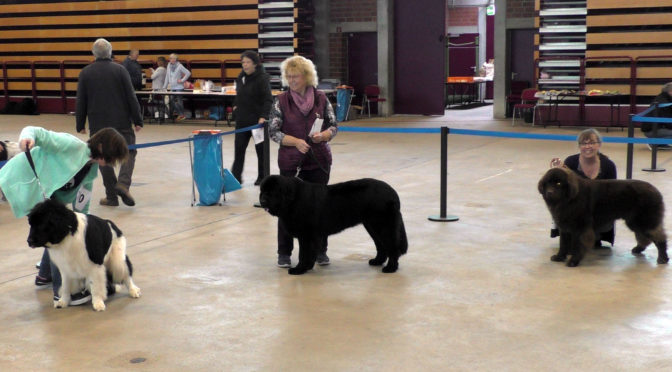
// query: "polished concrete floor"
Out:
[478,294]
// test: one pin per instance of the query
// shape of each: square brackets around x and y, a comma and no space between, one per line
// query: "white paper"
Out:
[317,127]
[258,135]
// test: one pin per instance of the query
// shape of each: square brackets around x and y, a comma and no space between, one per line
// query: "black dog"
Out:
[580,207]
[310,212]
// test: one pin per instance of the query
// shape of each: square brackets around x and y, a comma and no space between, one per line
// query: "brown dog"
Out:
[581,206]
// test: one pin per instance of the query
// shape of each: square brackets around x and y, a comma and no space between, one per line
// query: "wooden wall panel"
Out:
[635,29]
[614,4]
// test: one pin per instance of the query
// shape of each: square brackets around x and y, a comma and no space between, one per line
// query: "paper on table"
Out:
[317,127]
[258,135]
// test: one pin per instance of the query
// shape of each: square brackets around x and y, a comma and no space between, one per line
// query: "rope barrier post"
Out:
[654,148]
[267,157]
[442,217]
[631,134]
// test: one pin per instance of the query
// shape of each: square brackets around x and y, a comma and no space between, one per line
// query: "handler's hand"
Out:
[556,163]
[321,137]
[26,144]
[302,146]
[137,128]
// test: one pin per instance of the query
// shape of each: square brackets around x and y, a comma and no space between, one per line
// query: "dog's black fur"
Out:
[311,211]
[580,207]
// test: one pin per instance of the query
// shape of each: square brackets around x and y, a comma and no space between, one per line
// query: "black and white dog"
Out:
[83,247]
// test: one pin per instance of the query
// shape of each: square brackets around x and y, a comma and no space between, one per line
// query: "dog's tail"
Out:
[118,264]
[401,231]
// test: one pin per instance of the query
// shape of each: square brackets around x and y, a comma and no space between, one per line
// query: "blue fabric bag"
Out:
[342,103]
[208,170]
[216,112]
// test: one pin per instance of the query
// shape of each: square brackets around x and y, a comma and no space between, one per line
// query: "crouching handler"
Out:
[65,167]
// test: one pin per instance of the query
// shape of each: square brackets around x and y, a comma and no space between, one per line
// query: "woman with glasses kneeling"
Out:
[592,164]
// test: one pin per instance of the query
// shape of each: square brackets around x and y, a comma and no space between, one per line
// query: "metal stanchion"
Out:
[442,217]
[631,134]
[654,147]
[267,156]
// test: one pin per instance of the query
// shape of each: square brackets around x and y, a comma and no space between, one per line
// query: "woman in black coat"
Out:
[252,106]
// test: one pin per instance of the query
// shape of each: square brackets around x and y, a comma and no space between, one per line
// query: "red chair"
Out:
[517,87]
[371,94]
[528,101]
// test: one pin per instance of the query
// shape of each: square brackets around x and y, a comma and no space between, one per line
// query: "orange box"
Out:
[460,79]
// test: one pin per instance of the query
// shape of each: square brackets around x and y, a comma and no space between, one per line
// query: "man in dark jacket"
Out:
[664,130]
[105,95]
[134,69]
[251,107]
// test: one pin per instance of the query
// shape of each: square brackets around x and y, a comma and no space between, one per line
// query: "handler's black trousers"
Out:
[240,145]
[286,241]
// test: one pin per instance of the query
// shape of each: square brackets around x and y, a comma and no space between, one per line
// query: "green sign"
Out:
[490,10]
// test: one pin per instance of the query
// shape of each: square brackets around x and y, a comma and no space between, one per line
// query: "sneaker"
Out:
[37,265]
[80,298]
[109,202]
[180,118]
[322,259]
[125,195]
[284,261]
[40,281]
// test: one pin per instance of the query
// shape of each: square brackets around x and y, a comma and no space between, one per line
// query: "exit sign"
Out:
[490,10]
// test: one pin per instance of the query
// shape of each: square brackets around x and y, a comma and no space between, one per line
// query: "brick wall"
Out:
[338,51]
[462,16]
[519,8]
[352,10]
[345,11]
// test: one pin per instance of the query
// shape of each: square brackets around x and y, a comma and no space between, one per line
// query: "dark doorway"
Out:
[419,57]
[522,55]
[462,51]
[362,62]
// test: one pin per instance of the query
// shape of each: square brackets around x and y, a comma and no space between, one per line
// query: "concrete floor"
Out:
[479,294]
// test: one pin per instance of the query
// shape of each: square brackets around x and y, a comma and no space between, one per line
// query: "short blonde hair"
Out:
[301,65]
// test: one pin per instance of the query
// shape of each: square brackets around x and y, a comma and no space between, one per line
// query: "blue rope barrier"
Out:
[170,142]
[486,133]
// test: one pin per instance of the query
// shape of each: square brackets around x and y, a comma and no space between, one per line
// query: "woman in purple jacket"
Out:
[304,151]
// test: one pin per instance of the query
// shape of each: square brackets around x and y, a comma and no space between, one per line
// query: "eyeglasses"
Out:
[591,143]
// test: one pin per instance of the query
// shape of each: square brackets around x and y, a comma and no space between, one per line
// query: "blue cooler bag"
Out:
[208,170]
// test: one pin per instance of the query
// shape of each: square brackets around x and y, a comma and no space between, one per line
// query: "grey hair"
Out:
[102,48]
[587,134]
[174,55]
[667,87]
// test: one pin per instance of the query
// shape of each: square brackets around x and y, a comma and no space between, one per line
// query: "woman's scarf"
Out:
[305,103]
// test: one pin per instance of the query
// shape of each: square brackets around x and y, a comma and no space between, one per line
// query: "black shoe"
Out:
[555,232]
[258,181]
[40,281]
[80,298]
[125,195]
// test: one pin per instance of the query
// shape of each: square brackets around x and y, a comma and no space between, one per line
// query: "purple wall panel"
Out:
[419,57]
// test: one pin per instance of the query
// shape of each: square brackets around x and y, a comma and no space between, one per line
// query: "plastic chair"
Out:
[528,101]
[371,94]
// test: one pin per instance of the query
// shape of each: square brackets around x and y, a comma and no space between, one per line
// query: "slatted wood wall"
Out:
[641,30]
[36,37]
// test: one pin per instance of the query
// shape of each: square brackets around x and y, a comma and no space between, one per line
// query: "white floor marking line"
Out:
[495,175]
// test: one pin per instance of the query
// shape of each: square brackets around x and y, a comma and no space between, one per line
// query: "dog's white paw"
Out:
[60,304]
[98,305]
[134,292]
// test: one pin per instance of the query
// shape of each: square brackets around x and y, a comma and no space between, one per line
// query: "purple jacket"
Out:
[286,117]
